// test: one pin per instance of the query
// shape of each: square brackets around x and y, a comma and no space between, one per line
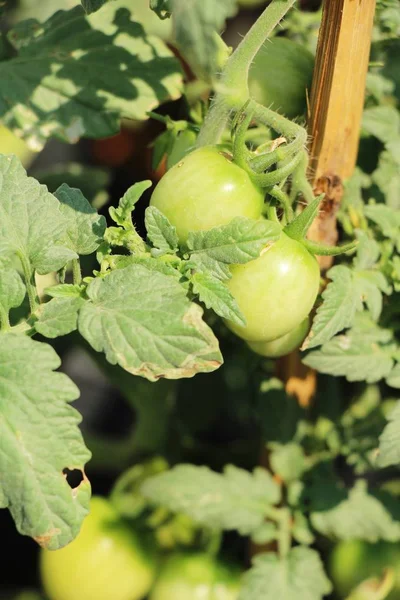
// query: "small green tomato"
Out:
[107,561]
[276,291]
[205,190]
[196,576]
[282,345]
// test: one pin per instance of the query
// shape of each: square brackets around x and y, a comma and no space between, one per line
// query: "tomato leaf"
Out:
[161,8]
[122,214]
[58,317]
[298,228]
[337,312]
[346,294]
[298,576]
[240,241]
[393,379]
[65,290]
[77,75]
[217,296]
[12,290]
[389,441]
[90,6]
[85,227]
[387,177]
[39,439]
[196,24]
[143,321]
[383,122]
[386,218]
[235,499]
[361,515]
[160,231]
[287,460]
[362,353]
[31,221]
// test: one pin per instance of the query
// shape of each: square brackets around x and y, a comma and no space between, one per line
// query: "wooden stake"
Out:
[337,101]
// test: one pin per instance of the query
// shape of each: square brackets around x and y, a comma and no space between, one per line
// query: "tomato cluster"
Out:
[276,291]
[110,560]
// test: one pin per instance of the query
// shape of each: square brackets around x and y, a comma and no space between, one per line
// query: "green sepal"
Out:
[240,125]
[299,227]
[321,250]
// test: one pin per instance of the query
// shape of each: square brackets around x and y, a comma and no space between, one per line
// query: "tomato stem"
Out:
[29,277]
[76,271]
[284,200]
[4,319]
[232,88]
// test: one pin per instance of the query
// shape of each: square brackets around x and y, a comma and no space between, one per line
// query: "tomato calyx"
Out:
[298,229]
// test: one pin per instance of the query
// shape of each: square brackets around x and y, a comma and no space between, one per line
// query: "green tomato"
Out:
[282,345]
[106,561]
[204,190]
[280,76]
[354,561]
[276,291]
[196,576]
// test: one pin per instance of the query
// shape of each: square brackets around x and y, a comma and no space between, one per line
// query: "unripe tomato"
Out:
[196,576]
[107,560]
[276,291]
[354,561]
[282,345]
[280,76]
[204,190]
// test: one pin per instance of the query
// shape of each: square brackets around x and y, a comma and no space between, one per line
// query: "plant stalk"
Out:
[233,89]
[76,271]
[29,277]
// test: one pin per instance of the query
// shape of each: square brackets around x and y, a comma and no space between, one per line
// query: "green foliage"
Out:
[300,575]
[163,338]
[49,93]
[37,421]
[235,499]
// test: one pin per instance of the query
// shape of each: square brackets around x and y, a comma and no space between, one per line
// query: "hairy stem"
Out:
[233,89]
[29,277]
[4,319]
[76,271]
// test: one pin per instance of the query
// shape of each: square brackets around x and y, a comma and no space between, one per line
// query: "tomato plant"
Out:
[204,190]
[108,554]
[196,576]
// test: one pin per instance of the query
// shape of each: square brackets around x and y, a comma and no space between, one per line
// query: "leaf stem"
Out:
[284,539]
[4,319]
[29,277]
[233,89]
[76,271]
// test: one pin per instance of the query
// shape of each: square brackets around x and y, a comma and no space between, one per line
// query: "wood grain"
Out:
[336,107]
[337,101]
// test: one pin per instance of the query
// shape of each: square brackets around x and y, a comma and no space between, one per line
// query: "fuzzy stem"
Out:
[76,271]
[29,277]
[284,539]
[284,200]
[233,89]
[4,319]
